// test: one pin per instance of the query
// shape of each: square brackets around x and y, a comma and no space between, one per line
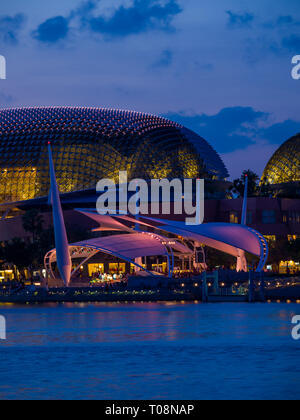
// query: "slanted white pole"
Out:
[245,203]
[138,261]
[64,262]
[241,264]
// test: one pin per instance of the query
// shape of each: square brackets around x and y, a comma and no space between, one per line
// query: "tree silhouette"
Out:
[238,187]
[19,253]
[33,223]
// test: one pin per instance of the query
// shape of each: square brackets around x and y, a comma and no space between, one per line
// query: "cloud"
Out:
[142,16]
[292,43]
[280,34]
[6,99]
[52,30]
[238,128]
[10,27]
[239,20]
[165,59]
[206,67]
[229,130]
[279,132]
[285,20]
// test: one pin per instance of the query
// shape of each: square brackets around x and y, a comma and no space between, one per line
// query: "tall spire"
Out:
[245,203]
[64,262]
[241,264]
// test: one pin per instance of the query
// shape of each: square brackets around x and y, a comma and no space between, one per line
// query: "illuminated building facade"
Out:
[284,166]
[90,144]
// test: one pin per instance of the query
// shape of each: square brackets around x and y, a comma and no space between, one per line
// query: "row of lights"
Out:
[209,285]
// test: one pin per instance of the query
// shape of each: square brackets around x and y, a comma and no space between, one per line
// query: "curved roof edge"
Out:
[212,160]
[210,156]
[276,161]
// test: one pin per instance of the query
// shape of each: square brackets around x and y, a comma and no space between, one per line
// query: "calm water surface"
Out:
[150,351]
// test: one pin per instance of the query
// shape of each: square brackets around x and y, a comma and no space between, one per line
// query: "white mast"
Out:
[245,203]
[241,264]
[64,262]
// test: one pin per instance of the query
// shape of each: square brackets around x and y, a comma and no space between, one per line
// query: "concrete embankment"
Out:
[291,293]
[95,295]
[78,295]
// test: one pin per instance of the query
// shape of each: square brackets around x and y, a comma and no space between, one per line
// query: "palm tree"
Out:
[238,187]
[33,223]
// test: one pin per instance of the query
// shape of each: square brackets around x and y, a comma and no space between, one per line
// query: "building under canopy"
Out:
[149,237]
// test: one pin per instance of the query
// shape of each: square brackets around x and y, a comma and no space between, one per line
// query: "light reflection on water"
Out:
[148,351]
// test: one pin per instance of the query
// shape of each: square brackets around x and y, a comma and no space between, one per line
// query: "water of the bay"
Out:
[150,351]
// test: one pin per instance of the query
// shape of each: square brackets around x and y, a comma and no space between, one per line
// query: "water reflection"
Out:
[148,351]
[104,323]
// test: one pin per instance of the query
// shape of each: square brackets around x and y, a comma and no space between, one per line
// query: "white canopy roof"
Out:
[129,246]
[225,237]
[133,244]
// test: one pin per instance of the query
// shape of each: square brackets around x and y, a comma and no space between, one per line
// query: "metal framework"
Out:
[227,238]
[284,166]
[264,248]
[88,250]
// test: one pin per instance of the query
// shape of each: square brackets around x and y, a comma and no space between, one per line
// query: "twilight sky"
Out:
[220,67]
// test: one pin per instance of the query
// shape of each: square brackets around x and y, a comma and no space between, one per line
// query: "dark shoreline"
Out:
[94,295]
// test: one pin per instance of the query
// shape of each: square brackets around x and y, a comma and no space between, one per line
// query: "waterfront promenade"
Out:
[188,291]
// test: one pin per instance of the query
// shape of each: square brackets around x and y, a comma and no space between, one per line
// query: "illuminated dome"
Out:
[284,166]
[90,144]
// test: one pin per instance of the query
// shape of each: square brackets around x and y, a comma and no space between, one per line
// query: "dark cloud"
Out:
[206,67]
[285,20]
[237,128]
[6,99]
[52,30]
[282,23]
[228,130]
[239,20]
[278,133]
[85,9]
[292,43]
[275,36]
[283,30]
[165,60]
[142,16]
[10,27]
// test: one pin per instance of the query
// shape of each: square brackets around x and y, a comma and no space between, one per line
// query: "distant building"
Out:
[272,217]
[282,172]
[275,218]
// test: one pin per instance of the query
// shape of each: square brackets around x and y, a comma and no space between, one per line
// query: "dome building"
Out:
[90,144]
[284,166]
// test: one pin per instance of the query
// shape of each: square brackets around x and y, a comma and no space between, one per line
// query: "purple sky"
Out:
[221,67]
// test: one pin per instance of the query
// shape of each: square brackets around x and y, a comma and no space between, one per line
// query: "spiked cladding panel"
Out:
[89,144]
